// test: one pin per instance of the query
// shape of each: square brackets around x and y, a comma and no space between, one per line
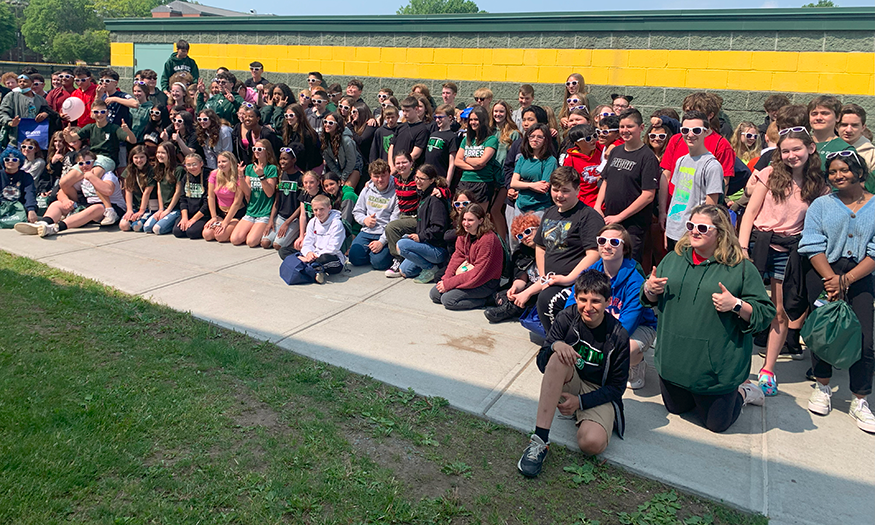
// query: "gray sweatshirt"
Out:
[382,204]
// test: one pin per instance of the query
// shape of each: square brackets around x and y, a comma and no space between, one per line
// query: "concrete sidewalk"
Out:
[779,460]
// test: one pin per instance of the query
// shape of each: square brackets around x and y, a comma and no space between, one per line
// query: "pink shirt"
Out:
[224,196]
[783,218]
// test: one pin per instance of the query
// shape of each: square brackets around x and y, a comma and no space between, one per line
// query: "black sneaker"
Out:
[320,277]
[533,457]
[809,375]
[503,312]
[787,353]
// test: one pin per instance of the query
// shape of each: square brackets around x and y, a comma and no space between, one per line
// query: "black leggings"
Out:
[329,263]
[551,301]
[195,231]
[860,295]
[717,413]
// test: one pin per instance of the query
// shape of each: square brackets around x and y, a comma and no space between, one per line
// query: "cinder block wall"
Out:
[658,57]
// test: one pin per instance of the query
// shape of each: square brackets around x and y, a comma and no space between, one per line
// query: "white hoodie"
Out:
[325,237]
[382,204]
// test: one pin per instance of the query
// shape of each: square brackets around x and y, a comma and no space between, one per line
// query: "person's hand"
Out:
[372,122]
[125,126]
[241,169]
[371,220]
[164,135]
[512,194]
[440,287]
[67,206]
[723,301]
[14,122]
[281,232]
[436,192]
[176,137]
[565,353]
[219,228]
[611,219]
[64,116]
[656,122]
[542,186]
[128,216]
[136,216]
[201,88]
[283,102]
[832,286]
[413,237]
[228,95]
[311,256]
[259,170]
[31,216]
[299,242]
[521,298]
[41,117]
[184,224]
[563,122]
[375,246]
[655,285]
[568,404]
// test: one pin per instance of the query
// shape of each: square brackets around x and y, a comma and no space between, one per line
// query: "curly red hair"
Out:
[521,222]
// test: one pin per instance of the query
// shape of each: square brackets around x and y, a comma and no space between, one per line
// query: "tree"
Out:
[822,3]
[436,7]
[8,28]
[72,22]
[125,8]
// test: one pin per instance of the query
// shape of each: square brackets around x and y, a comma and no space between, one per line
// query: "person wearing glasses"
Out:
[213,136]
[609,136]
[258,183]
[58,95]
[524,270]
[224,102]
[585,155]
[249,130]
[140,114]
[117,101]
[746,142]
[334,94]
[697,178]
[575,87]
[483,98]
[86,90]
[657,138]
[338,148]
[852,123]
[16,184]
[22,104]
[839,241]
[425,249]
[183,134]
[193,206]
[179,62]
[256,69]
[296,128]
[707,283]
[93,187]
[474,271]
[626,280]
[314,80]
[531,175]
[317,110]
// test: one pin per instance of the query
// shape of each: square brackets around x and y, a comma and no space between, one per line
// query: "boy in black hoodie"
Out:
[585,361]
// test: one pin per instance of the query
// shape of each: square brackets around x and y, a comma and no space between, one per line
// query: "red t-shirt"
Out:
[586,165]
[56,97]
[698,259]
[715,143]
[88,98]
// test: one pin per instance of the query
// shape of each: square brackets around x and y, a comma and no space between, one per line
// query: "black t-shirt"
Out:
[288,194]
[380,144]
[627,174]
[250,83]
[765,160]
[566,236]
[441,144]
[409,136]
[306,199]
[194,192]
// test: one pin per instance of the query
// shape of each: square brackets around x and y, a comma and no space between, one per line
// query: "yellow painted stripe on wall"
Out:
[802,72]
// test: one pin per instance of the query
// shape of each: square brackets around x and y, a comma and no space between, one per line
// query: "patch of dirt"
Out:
[481,344]
[254,413]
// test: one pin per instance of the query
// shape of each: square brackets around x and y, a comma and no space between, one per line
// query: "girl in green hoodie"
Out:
[709,299]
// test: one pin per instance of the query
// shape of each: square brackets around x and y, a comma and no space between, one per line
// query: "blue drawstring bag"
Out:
[296,271]
[532,322]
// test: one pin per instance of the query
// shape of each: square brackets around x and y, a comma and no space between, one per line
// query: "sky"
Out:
[384,7]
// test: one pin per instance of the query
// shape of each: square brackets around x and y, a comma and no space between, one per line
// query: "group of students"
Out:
[558,217]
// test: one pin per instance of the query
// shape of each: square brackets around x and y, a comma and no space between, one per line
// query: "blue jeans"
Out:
[138,224]
[419,256]
[165,225]
[360,254]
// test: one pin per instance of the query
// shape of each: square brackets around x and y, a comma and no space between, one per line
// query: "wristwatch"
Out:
[737,307]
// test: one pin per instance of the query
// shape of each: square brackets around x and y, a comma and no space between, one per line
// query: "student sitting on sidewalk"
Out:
[585,361]
[323,240]
[376,207]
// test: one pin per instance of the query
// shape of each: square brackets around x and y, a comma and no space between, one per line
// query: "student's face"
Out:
[311,185]
[29,151]
[321,211]
[38,85]
[402,165]
[353,91]
[749,136]
[586,147]
[178,123]
[620,104]
[794,154]
[203,120]
[24,83]
[329,125]
[563,195]
[75,145]
[391,120]
[657,137]
[630,130]
[194,166]
[155,114]
[260,150]
[110,84]
[330,186]
[344,107]
[248,117]
[59,144]
[222,163]
[529,238]
[11,83]
[483,102]
[139,94]
[529,120]
[575,119]
[851,128]
[473,121]
[319,102]
[574,102]
[572,85]
[525,100]
[151,82]
[56,82]
[286,161]
[422,181]
[87,164]
[591,307]
[277,96]
[607,251]
[703,241]
[304,98]
[380,180]
[822,118]
[66,80]
[181,53]
[11,164]
[255,72]
[691,138]
[448,96]
[607,135]
[99,114]
[382,96]
[353,114]
[177,92]
[313,81]
[442,120]
[840,176]
[140,160]
[499,114]
[537,140]
[471,223]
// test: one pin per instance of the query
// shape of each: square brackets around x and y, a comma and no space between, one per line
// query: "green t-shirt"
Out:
[489,172]
[140,119]
[259,203]
[137,192]
[823,148]
[105,140]
[168,187]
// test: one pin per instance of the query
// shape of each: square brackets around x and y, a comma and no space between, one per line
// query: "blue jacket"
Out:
[24,183]
[625,301]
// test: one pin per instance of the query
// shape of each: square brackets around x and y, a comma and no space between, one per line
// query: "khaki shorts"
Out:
[602,414]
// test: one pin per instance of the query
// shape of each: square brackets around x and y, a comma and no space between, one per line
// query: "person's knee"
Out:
[124,225]
[592,438]
[435,296]
[179,234]
[718,426]
[156,229]
[265,243]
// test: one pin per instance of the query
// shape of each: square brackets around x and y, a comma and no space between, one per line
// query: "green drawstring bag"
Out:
[11,213]
[832,332]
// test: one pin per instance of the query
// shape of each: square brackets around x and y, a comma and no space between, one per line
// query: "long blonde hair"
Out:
[581,93]
[728,249]
[739,146]
[227,180]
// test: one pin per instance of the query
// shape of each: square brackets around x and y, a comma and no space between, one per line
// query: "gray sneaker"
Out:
[862,415]
[532,461]
[636,376]
[820,402]
[753,394]
[426,276]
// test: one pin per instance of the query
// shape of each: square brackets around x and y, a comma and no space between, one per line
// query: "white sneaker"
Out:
[47,230]
[636,376]
[862,415]
[395,270]
[28,228]
[110,217]
[820,402]
[753,394]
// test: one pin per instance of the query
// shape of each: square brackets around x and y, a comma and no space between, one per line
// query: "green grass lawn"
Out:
[115,410]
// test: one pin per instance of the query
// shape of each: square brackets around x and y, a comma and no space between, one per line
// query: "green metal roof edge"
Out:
[796,19]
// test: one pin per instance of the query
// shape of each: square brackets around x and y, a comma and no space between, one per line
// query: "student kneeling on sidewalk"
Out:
[585,361]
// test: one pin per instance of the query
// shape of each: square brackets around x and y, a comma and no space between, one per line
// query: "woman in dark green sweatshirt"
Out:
[709,300]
